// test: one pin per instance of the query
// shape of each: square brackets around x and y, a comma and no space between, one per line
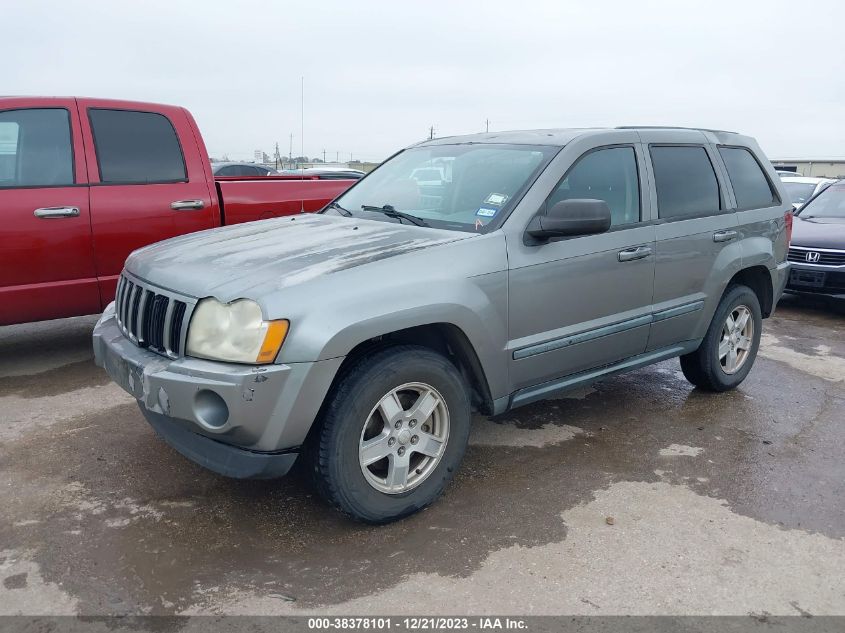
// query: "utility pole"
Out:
[488,124]
[324,156]
[290,154]
[276,156]
[431,130]
[302,117]
[337,158]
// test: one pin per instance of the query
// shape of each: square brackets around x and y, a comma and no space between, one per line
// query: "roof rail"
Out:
[671,127]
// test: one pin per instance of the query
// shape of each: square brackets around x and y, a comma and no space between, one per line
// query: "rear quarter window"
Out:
[686,182]
[136,147]
[751,187]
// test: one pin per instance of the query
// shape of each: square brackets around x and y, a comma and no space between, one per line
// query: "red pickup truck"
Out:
[84,182]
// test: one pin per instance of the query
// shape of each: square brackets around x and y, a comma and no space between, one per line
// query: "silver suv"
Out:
[358,340]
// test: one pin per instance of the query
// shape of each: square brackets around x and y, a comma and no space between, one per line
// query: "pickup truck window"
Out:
[35,148]
[608,174]
[467,187]
[750,185]
[136,147]
[685,180]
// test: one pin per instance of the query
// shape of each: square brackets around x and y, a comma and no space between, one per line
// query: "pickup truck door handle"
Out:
[724,236]
[187,205]
[56,212]
[631,254]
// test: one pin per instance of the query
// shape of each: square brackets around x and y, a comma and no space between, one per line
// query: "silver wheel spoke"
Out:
[743,343]
[428,445]
[742,320]
[724,348]
[730,323]
[423,407]
[390,407]
[375,449]
[397,471]
[731,361]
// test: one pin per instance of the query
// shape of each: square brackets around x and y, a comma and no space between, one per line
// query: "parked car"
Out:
[327,173]
[361,338]
[802,188]
[242,170]
[787,174]
[83,182]
[817,251]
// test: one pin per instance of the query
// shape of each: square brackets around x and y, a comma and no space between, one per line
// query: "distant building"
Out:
[816,167]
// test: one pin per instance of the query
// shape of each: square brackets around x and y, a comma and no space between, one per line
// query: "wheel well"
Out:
[759,279]
[444,338]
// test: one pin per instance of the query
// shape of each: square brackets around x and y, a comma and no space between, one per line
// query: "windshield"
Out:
[799,192]
[830,203]
[466,187]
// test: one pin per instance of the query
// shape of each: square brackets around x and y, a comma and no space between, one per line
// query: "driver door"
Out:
[582,302]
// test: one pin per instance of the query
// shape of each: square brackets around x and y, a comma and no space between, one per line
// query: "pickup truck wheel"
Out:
[392,434]
[729,348]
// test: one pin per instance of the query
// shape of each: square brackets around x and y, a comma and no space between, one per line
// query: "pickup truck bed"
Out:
[84,182]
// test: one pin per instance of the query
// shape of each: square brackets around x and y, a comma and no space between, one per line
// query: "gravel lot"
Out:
[638,495]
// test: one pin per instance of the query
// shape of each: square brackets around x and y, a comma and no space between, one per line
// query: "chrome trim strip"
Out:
[607,330]
[678,311]
[581,337]
[544,390]
[820,250]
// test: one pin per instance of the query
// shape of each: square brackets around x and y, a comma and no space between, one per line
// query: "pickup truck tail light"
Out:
[787,221]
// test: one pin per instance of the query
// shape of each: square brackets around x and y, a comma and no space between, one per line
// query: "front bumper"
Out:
[820,280]
[238,420]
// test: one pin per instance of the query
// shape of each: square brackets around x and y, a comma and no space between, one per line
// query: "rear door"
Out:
[46,263]
[148,182]
[698,246]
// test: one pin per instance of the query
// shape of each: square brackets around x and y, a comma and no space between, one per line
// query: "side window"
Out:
[230,170]
[608,174]
[750,185]
[35,148]
[136,147]
[685,180]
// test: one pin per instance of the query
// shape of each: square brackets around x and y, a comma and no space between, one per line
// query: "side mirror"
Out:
[571,217]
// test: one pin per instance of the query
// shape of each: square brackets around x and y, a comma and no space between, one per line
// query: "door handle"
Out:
[56,212]
[631,254]
[187,205]
[724,236]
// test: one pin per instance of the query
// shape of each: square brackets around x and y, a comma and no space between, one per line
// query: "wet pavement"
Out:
[636,495]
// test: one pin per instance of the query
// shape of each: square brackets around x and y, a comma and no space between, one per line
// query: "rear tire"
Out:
[392,434]
[729,348]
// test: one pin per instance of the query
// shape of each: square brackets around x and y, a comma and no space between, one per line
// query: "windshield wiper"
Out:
[335,205]
[390,212]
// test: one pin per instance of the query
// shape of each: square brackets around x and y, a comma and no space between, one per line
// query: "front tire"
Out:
[392,434]
[730,346]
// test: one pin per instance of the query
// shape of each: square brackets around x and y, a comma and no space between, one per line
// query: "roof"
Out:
[553,136]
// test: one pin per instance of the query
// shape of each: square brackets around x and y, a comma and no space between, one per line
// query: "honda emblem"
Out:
[813,257]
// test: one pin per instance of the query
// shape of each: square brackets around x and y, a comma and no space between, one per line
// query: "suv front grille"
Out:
[798,255]
[152,318]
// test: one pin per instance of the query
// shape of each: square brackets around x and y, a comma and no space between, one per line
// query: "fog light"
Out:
[210,409]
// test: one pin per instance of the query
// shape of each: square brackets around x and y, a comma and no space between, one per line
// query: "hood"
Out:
[246,260]
[818,232]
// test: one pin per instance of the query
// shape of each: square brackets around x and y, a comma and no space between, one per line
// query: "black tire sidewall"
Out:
[714,374]
[361,390]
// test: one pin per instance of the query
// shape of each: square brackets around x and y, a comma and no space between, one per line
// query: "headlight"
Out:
[234,332]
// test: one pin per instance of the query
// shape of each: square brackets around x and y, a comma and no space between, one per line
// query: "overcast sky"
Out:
[379,74]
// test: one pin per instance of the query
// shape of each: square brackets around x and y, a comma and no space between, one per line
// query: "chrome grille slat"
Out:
[152,318]
[826,257]
[139,328]
[168,319]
